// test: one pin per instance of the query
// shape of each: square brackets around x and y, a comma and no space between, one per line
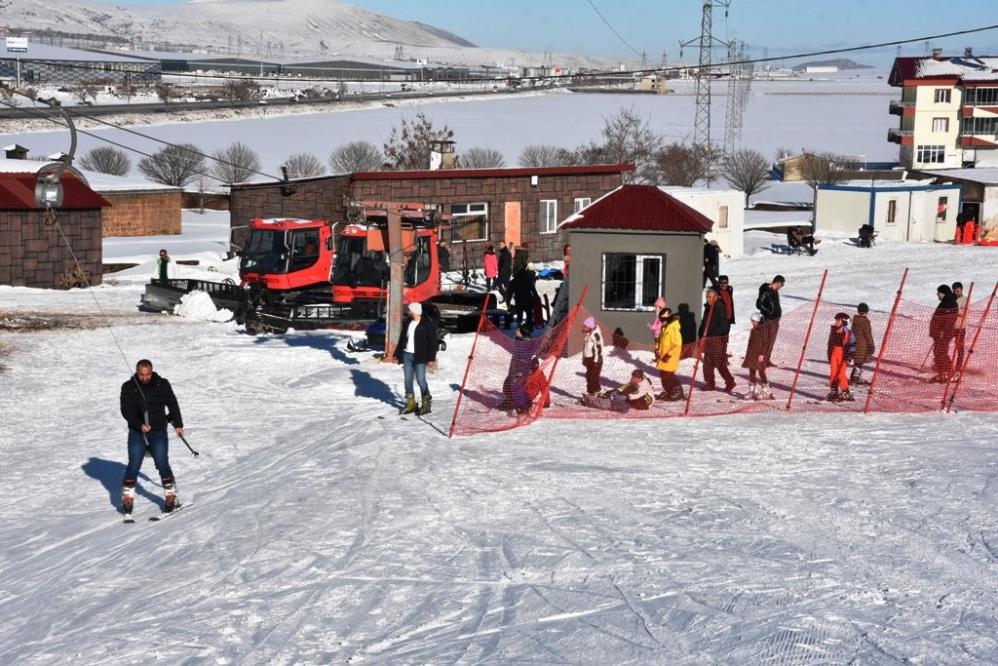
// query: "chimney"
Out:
[937,54]
[15,152]
[442,155]
[968,52]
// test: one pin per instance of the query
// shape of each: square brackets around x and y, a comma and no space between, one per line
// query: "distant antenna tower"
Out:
[928,47]
[705,42]
[898,53]
[399,52]
[665,59]
[644,59]
[739,84]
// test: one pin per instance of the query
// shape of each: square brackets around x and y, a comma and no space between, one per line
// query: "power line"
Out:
[276,77]
[612,29]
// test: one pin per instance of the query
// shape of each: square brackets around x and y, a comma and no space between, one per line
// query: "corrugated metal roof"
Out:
[17,191]
[38,51]
[640,208]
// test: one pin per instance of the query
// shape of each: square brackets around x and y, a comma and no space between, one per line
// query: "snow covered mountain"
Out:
[274,28]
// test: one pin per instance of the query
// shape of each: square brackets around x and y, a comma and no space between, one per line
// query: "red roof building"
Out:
[642,208]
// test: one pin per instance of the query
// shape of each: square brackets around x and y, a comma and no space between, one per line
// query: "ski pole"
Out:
[193,452]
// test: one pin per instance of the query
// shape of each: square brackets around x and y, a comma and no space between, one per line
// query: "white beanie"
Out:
[416,309]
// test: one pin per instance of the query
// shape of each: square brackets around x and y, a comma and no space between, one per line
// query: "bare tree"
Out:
[539,155]
[5,92]
[408,146]
[482,158]
[627,139]
[746,170]
[127,90]
[106,159]
[165,92]
[825,169]
[235,164]
[174,165]
[241,91]
[86,91]
[680,164]
[356,156]
[304,165]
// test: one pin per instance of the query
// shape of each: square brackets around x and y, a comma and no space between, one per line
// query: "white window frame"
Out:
[579,203]
[548,226]
[482,208]
[638,281]
[942,95]
[940,124]
[930,153]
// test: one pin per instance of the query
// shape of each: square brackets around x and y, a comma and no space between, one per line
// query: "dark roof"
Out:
[17,192]
[639,207]
[589,169]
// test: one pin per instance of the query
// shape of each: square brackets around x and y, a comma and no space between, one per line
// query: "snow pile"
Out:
[198,305]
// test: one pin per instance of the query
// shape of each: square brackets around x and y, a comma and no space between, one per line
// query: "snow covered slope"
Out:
[324,529]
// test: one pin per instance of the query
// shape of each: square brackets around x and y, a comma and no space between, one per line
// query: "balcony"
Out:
[903,137]
[902,108]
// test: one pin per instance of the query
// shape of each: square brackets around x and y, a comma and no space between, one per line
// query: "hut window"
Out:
[549,216]
[469,222]
[632,281]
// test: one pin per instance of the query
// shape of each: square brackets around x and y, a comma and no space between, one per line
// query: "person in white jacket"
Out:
[592,355]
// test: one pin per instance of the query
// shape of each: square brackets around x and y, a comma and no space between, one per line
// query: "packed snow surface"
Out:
[323,528]
[198,305]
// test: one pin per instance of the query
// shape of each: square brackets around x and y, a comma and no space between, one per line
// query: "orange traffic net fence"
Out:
[913,358]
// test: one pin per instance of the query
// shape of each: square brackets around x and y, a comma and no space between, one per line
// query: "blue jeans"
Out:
[158,444]
[410,367]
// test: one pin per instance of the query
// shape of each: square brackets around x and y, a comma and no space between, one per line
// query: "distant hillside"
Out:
[841,63]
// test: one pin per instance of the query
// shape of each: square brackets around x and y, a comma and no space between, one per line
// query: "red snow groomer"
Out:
[308,274]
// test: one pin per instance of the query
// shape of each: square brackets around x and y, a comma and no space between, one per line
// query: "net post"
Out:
[884,341]
[962,318]
[696,363]
[807,339]
[973,345]
[467,367]
[570,321]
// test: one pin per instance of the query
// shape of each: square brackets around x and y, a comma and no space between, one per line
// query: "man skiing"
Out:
[714,329]
[148,405]
[667,353]
[592,355]
[865,346]
[417,349]
[768,304]
[840,343]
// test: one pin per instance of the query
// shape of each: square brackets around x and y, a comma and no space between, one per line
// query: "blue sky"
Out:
[784,26]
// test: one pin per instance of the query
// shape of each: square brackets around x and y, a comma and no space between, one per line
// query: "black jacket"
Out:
[425,344]
[768,303]
[942,326]
[715,320]
[505,264]
[524,287]
[443,257]
[156,397]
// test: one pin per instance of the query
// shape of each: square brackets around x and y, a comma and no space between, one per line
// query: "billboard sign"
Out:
[17,44]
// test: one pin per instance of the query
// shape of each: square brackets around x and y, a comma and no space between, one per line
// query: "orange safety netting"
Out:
[512,383]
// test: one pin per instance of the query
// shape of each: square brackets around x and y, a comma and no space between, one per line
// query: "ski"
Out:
[163,515]
[128,519]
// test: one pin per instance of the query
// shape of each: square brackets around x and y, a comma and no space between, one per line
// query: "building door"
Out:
[511,216]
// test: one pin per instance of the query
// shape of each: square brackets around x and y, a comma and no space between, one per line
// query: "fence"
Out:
[923,359]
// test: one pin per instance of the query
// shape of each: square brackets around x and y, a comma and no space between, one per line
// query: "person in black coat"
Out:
[687,328]
[505,269]
[768,304]
[942,328]
[523,293]
[443,257]
[711,262]
[714,329]
[417,349]
[148,405]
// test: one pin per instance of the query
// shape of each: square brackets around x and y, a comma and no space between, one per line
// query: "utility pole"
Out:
[705,42]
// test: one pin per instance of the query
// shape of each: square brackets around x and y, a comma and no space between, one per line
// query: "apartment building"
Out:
[948,110]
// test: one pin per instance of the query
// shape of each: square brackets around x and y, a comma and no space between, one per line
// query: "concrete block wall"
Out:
[34,255]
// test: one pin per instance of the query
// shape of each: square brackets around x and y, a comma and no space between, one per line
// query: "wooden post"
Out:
[467,368]
[396,259]
[962,319]
[807,339]
[883,343]
[973,345]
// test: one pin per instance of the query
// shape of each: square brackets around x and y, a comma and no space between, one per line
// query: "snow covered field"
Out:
[851,114]
[324,529]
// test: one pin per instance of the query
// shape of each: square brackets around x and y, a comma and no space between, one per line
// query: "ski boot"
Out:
[764,393]
[410,405]
[169,496]
[846,396]
[752,394]
[833,395]
[676,395]
[424,407]
[729,386]
[128,502]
